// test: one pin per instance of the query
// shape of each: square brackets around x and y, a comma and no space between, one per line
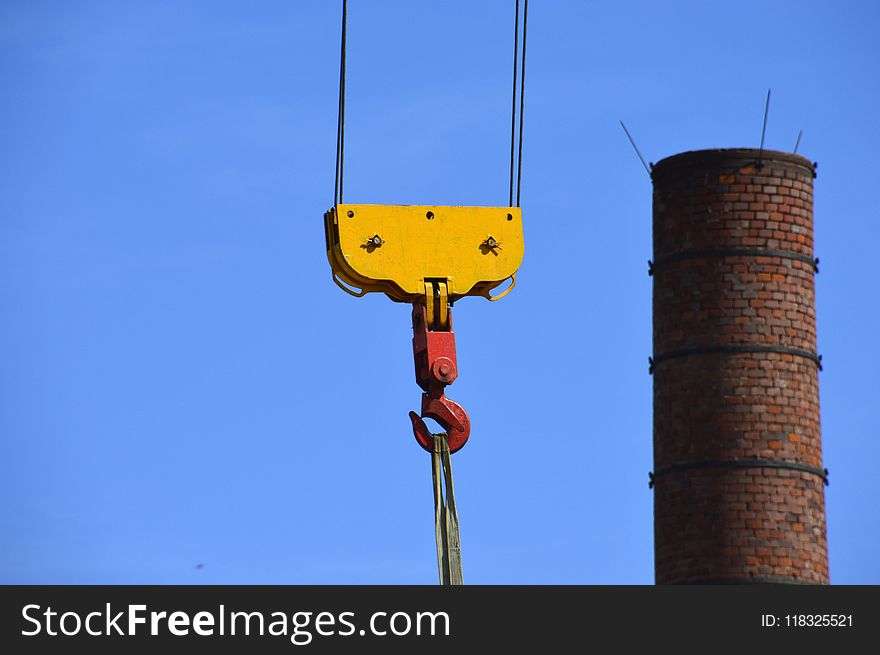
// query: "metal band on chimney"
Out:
[660,262]
[736,349]
[738,464]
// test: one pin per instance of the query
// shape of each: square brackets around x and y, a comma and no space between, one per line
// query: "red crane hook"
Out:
[436,367]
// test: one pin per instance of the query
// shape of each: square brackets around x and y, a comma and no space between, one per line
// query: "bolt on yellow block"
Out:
[395,249]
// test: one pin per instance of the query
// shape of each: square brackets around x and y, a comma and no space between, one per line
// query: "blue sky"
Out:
[182,383]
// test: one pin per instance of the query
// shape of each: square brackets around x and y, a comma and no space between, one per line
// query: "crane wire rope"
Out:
[522,99]
[519,75]
[340,120]
[513,99]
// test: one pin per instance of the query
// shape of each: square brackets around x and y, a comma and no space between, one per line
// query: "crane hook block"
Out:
[396,249]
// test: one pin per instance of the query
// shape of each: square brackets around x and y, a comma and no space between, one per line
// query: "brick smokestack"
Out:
[738,476]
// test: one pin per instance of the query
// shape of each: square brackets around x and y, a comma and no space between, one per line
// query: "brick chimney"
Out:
[738,475]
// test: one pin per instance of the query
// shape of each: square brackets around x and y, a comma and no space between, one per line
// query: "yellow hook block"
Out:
[395,249]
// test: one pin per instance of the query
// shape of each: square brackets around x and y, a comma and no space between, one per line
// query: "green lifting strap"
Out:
[445,515]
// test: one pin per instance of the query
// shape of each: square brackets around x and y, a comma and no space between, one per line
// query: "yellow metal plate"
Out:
[472,248]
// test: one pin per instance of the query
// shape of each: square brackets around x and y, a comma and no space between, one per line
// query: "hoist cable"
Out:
[340,122]
[522,96]
[513,99]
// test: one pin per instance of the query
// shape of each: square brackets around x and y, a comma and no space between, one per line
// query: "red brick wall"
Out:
[723,512]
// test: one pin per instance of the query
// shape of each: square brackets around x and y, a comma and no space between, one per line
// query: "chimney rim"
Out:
[729,157]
